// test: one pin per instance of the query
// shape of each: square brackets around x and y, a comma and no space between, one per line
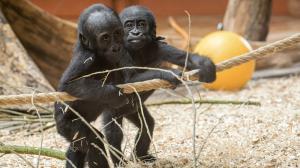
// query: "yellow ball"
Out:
[221,46]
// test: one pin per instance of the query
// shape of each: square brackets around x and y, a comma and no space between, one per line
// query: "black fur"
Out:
[146,49]
[99,47]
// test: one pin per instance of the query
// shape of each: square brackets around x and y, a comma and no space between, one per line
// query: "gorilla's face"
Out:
[103,34]
[139,27]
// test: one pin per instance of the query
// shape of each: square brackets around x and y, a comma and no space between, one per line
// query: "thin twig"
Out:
[207,137]
[180,31]
[13,112]
[27,120]
[7,149]
[193,101]
[16,153]
[143,117]
[41,128]
[218,102]
[188,41]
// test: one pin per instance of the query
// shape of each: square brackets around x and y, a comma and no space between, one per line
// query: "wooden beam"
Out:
[48,39]
[18,73]
[249,18]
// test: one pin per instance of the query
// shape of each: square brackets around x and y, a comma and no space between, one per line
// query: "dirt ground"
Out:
[226,135]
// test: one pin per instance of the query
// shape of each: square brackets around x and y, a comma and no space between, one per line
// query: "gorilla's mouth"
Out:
[134,40]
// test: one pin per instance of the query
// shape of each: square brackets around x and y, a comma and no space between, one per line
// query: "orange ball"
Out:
[221,46]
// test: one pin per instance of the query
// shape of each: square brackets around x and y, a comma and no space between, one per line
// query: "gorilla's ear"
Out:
[85,42]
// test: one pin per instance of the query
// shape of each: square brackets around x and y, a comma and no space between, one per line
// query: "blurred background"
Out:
[205,14]
[54,24]
[70,9]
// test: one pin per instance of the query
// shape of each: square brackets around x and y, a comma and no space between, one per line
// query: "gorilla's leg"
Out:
[82,140]
[95,154]
[114,134]
[143,138]
[75,157]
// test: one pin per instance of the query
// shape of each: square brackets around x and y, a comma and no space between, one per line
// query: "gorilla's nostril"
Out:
[137,33]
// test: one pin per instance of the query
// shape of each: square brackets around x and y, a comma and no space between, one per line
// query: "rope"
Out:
[260,52]
[35,98]
[155,83]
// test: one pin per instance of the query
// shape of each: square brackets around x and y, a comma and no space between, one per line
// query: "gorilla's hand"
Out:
[173,79]
[117,99]
[207,70]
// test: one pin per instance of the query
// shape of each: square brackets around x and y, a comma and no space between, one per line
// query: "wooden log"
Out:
[48,39]
[17,70]
[251,20]
[248,18]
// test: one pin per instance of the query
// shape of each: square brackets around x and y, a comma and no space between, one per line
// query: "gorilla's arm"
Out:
[134,75]
[173,55]
[87,88]
[156,74]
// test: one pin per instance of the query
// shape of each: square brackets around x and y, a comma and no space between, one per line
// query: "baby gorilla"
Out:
[99,47]
[148,50]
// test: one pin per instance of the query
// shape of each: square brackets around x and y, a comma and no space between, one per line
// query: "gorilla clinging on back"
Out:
[148,50]
[99,47]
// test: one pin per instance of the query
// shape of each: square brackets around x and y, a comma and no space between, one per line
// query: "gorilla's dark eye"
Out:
[142,24]
[128,24]
[105,37]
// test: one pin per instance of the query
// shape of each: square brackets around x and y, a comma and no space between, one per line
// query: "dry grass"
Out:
[231,136]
